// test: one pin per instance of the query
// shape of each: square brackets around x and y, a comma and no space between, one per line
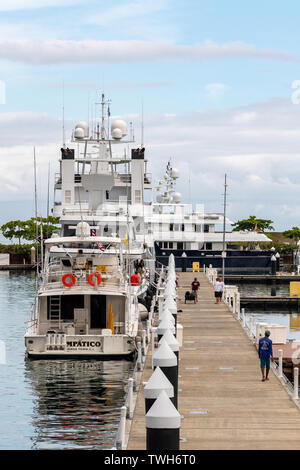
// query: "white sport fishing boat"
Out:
[85,305]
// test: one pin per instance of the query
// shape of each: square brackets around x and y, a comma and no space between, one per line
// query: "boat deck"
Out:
[224,403]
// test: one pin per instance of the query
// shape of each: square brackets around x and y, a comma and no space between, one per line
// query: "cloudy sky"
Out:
[219,83]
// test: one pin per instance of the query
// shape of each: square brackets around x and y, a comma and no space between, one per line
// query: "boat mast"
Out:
[35,212]
[224,228]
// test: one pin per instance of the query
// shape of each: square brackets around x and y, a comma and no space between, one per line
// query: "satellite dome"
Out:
[159,198]
[117,133]
[83,125]
[174,173]
[79,133]
[83,229]
[119,124]
[176,198]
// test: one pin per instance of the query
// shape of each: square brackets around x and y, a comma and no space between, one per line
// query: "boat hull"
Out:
[57,345]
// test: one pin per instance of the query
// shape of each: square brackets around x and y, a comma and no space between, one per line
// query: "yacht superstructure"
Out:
[86,305]
[194,235]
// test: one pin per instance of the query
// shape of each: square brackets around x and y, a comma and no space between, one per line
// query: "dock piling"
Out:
[163,425]
[167,361]
[155,385]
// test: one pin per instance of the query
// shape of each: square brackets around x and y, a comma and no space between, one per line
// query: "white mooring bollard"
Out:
[280,357]
[148,331]
[120,443]
[130,399]
[296,383]
[243,317]
[154,343]
[139,357]
[144,334]
[251,327]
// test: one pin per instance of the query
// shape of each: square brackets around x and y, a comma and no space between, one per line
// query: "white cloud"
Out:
[123,11]
[13,5]
[216,90]
[263,170]
[129,51]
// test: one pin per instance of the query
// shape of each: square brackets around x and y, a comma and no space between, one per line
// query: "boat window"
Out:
[179,245]
[206,228]
[68,303]
[98,311]
[66,263]
[208,246]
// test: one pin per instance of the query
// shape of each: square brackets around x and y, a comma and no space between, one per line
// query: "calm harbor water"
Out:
[281,317]
[59,404]
[258,289]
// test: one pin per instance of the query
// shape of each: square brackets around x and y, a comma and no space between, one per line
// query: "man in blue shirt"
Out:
[265,352]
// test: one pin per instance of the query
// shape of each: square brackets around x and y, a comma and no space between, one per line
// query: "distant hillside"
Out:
[277,236]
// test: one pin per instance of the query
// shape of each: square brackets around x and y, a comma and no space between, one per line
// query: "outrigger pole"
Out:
[224,228]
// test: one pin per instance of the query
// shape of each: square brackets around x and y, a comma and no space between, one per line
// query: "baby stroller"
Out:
[189,296]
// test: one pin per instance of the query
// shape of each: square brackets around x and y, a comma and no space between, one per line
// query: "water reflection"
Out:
[52,404]
[77,403]
[257,289]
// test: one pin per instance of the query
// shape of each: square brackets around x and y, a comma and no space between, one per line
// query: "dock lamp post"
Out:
[273,272]
[273,265]
[277,261]
[183,262]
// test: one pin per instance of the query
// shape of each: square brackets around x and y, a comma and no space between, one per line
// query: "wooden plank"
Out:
[219,374]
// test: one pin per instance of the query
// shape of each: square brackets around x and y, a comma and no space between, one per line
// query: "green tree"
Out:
[248,225]
[294,234]
[30,229]
[14,229]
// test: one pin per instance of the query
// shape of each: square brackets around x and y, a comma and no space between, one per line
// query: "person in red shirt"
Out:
[135,279]
[195,288]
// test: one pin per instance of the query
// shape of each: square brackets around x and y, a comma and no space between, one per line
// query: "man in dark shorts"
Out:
[265,352]
[218,288]
[195,288]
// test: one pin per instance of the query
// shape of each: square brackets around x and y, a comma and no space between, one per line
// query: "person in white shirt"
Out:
[219,287]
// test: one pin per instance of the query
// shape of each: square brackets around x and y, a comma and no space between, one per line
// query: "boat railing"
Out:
[82,278]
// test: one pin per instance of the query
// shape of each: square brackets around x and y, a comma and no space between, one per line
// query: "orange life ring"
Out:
[71,283]
[90,279]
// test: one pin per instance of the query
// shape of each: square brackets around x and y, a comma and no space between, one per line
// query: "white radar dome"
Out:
[159,198]
[79,133]
[174,173]
[116,133]
[177,197]
[119,124]
[83,125]
[83,229]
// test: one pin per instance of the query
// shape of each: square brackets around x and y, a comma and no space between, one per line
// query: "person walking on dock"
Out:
[265,352]
[219,287]
[195,288]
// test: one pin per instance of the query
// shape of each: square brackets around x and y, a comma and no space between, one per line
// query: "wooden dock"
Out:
[265,278]
[268,302]
[222,399]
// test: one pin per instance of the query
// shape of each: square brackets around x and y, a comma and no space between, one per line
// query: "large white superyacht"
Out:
[194,236]
[87,304]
